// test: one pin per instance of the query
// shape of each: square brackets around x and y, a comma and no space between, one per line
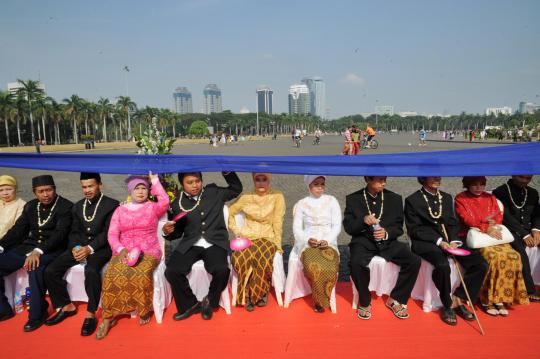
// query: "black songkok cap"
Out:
[44,180]
[181,175]
[90,175]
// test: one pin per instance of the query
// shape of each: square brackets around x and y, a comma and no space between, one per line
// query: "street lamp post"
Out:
[126,69]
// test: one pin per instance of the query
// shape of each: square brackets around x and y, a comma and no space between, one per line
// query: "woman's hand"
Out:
[494,232]
[323,244]
[152,176]
[122,256]
[313,243]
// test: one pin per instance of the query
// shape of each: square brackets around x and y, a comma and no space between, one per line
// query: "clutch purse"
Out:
[240,243]
[133,256]
[478,239]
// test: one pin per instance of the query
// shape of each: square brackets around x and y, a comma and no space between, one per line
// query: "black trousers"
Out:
[475,267]
[12,261]
[179,266]
[392,251]
[55,272]
[519,245]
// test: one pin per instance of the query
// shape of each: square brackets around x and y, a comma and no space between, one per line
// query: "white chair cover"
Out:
[296,284]
[534,261]
[383,277]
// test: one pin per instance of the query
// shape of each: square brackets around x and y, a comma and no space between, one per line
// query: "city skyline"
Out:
[428,57]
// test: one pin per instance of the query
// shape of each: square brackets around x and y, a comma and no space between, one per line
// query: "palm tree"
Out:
[30,91]
[72,108]
[104,108]
[126,105]
[6,110]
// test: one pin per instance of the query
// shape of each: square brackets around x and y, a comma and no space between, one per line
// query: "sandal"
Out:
[503,312]
[534,298]
[364,312]
[318,309]
[449,316]
[399,310]
[145,320]
[103,329]
[249,306]
[464,313]
[263,302]
[491,309]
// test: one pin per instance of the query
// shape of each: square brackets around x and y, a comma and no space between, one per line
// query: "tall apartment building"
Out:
[182,100]
[317,93]
[212,99]
[265,97]
[299,100]
[496,111]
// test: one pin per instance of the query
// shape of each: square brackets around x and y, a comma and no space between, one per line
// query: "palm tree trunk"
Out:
[105,128]
[43,124]
[19,130]
[86,124]
[75,137]
[7,131]
[32,126]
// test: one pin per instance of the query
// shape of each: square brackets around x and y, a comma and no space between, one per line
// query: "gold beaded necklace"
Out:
[369,209]
[90,219]
[40,223]
[196,204]
[435,215]
[512,199]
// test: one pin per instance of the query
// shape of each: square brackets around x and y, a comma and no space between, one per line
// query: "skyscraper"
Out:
[317,92]
[212,99]
[182,100]
[264,99]
[299,100]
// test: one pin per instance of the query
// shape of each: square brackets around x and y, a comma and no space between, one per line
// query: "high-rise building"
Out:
[212,99]
[13,87]
[496,111]
[384,110]
[182,100]
[528,107]
[299,100]
[317,92]
[264,99]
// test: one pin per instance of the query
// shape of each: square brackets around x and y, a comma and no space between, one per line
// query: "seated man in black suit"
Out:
[374,218]
[433,227]
[37,238]
[522,217]
[203,236]
[87,244]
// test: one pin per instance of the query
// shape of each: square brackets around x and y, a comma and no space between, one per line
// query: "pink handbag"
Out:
[240,243]
[133,256]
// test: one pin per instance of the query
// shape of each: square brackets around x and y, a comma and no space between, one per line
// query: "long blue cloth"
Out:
[489,161]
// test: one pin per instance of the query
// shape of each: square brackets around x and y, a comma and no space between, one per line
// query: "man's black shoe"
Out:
[188,313]
[207,310]
[6,315]
[33,324]
[59,317]
[88,327]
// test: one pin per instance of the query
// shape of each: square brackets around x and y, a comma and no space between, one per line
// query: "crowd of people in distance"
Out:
[353,138]
[49,234]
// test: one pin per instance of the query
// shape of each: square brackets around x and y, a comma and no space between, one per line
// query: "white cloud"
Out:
[352,79]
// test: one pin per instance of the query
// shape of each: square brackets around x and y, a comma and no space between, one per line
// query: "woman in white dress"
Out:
[316,226]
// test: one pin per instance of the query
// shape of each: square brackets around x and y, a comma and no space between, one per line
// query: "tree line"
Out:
[29,115]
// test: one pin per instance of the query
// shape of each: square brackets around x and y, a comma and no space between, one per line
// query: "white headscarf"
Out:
[310,178]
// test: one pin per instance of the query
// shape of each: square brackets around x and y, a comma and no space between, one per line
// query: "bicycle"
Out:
[317,141]
[374,143]
[297,141]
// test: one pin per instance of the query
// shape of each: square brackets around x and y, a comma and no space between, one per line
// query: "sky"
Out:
[427,56]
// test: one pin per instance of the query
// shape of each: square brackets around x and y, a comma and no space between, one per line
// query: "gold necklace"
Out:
[512,199]
[438,214]
[369,209]
[90,219]
[40,223]
[196,204]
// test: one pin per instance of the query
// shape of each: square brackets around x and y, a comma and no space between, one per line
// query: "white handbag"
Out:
[478,239]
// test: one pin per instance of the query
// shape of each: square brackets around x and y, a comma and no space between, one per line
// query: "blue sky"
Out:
[427,56]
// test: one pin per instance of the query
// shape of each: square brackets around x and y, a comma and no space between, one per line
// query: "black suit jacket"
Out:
[207,220]
[421,226]
[519,221]
[92,233]
[26,235]
[356,209]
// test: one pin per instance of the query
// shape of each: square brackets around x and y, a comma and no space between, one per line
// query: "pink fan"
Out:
[133,256]
[240,243]
[179,216]
[458,251]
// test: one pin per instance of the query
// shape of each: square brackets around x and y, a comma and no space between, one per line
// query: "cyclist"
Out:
[317,134]
[370,132]
[297,137]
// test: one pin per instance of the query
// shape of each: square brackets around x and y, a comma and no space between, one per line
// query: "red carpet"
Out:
[296,332]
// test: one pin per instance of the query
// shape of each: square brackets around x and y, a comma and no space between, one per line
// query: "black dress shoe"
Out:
[207,310]
[60,316]
[188,313]
[33,324]
[6,315]
[88,327]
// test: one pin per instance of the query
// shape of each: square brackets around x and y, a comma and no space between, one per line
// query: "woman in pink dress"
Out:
[133,226]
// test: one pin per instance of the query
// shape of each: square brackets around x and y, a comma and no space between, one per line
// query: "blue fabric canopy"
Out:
[489,161]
